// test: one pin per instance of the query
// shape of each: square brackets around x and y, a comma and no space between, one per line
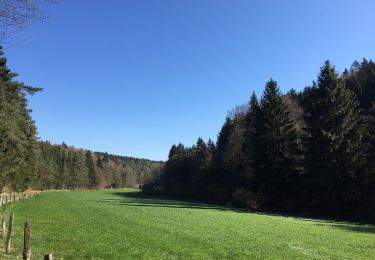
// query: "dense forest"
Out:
[309,152]
[64,167]
[27,163]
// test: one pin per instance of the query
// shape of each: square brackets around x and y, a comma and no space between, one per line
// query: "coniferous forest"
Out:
[27,163]
[311,151]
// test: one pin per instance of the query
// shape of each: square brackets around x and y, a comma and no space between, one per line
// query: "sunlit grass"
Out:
[122,224]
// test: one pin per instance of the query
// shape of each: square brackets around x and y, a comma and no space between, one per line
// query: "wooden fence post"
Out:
[3,221]
[9,235]
[27,242]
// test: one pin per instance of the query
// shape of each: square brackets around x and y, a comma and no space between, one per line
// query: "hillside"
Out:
[67,167]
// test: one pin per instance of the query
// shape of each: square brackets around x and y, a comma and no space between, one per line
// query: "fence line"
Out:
[6,198]
[6,235]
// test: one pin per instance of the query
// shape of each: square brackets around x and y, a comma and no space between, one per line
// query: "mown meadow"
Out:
[120,224]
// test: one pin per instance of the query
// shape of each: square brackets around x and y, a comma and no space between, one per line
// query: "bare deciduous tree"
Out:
[16,14]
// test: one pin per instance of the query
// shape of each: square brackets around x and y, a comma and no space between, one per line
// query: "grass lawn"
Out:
[121,224]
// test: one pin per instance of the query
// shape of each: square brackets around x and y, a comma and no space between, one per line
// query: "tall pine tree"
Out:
[250,141]
[370,178]
[278,149]
[18,147]
[335,149]
[93,181]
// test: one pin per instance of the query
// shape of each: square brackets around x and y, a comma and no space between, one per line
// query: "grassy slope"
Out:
[122,224]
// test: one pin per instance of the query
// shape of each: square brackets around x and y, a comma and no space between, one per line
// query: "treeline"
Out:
[66,167]
[311,151]
[26,163]
[138,165]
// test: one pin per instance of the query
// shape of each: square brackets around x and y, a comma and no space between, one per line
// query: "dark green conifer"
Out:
[18,148]
[250,145]
[278,158]
[335,151]
[91,170]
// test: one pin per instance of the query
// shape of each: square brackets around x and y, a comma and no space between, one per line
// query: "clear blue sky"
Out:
[133,77]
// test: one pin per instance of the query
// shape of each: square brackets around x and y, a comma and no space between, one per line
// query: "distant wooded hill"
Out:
[66,167]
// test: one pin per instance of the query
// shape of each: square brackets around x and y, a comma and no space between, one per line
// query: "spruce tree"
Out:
[370,178]
[61,167]
[217,190]
[278,148]
[77,176]
[223,138]
[18,147]
[211,146]
[335,149]
[250,140]
[233,155]
[91,170]
[361,80]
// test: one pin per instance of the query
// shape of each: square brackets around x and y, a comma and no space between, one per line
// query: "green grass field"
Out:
[123,224]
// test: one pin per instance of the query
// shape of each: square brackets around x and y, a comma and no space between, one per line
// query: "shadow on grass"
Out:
[138,199]
[361,228]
